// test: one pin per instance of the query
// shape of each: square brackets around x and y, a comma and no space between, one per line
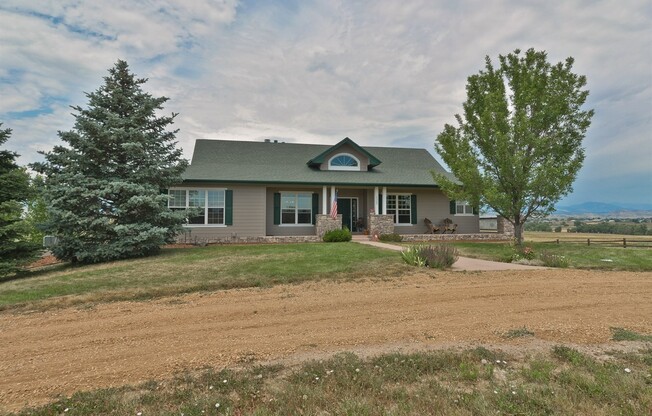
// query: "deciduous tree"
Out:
[517,147]
[104,189]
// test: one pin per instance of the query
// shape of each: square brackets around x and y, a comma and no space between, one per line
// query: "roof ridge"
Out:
[310,144]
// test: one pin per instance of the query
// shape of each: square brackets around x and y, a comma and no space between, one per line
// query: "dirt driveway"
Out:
[58,352]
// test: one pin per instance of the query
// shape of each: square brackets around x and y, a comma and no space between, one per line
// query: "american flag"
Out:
[334,207]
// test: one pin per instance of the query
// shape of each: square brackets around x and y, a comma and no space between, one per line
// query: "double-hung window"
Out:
[463,208]
[400,206]
[207,205]
[296,208]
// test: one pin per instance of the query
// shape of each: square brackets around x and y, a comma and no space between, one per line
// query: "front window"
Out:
[344,161]
[463,208]
[207,205]
[296,208]
[400,206]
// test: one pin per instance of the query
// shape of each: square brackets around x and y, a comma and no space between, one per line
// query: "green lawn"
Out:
[178,271]
[578,255]
[561,381]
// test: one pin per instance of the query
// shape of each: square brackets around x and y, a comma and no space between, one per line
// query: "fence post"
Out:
[557,241]
[624,243]
[588,241]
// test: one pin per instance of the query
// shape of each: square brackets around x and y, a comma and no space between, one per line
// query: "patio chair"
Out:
[432,228]
[448,226]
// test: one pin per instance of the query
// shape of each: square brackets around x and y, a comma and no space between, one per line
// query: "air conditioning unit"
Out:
[49,241]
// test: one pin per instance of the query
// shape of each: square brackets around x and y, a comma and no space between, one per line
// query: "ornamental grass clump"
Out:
[412,256]
[440,256]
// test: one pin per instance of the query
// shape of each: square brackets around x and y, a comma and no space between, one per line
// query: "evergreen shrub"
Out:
[337,236]
[390,238]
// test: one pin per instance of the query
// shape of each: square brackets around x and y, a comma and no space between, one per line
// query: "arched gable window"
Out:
[344,161]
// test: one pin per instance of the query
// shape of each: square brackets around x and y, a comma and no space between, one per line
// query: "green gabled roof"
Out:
[267,162]
[318,160]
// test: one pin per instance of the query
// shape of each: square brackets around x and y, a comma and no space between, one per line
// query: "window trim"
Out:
[401,224]
[206,207]
[466,205]
[296,210]
[349,168]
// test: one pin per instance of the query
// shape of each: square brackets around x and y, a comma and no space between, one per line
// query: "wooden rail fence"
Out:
[610,242]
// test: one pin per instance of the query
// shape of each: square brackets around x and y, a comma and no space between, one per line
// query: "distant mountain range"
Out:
[601,209]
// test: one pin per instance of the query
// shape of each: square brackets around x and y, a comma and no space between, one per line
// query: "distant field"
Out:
[539,236]
[573,247]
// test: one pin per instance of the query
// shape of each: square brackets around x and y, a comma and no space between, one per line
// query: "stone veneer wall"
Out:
[454,237]
[271,239]
[315,239]
[380,224]
[326,223]
[504,227]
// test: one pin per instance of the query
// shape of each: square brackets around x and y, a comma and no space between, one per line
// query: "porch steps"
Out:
[359,237]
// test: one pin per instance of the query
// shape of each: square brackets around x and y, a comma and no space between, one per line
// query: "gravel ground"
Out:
[45,354]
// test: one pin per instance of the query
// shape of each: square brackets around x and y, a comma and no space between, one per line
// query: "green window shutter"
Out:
[277,208]
[452,207]
[315,207]
[380,204]
[413,206]
[228,207]
[476,211]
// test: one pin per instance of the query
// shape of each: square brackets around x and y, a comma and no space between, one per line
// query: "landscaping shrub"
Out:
[521,253]
[390,238]
[337,236]
[412,256]
[439,257]
[553,260]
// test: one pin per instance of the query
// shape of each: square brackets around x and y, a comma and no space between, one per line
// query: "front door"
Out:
[348,207]
[344,208]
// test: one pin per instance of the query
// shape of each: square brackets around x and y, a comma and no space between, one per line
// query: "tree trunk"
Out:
[518,232]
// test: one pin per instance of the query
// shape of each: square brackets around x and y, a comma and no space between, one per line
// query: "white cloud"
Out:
[382,72]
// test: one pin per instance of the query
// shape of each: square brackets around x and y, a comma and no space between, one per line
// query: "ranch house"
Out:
[262,191]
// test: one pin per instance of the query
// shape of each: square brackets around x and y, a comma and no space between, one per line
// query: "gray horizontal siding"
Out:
[434,205]
[248,215]
[253,211]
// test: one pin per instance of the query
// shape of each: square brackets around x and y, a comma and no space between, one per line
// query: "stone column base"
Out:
[504,227]
[326,223]
[380,224]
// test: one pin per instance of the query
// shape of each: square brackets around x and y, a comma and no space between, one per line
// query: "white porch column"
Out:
[376,207]
[384,200]
[324,200]
[332,195]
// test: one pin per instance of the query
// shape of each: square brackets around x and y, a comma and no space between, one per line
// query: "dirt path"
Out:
[61,351]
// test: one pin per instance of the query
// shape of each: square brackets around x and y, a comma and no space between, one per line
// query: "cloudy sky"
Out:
[385,73]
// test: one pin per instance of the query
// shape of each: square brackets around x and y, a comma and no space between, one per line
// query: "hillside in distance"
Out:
[602,209]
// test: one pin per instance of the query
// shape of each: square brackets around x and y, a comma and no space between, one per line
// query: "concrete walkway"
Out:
[463,263]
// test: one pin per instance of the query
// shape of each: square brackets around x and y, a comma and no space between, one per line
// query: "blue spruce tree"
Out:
[15,247]
[104,189]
